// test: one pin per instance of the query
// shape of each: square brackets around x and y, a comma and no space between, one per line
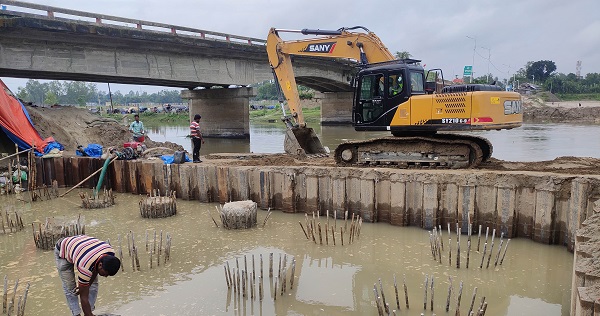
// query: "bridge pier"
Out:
[225,112]
[336,108]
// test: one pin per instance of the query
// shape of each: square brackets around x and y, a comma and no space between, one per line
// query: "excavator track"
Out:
[444,151]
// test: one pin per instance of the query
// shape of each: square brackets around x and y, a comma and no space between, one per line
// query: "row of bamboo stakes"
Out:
[437,246]
[383,307]
[156,206]
[11,224]
[47,234]
[313,228]
[8,307]
[242,282]
[153,249]
[95,201]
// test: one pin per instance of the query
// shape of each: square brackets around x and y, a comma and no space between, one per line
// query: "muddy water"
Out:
[532,142]
[533,280]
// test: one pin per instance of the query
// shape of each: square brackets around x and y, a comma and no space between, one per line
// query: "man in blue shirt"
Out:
[137,128]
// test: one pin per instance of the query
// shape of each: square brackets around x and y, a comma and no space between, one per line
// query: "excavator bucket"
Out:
[303,141]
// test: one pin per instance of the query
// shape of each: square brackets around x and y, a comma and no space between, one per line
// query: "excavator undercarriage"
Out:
[444,151]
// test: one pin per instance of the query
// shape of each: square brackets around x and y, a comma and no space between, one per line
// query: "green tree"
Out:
[403,55]
[540,70]
[34,91]
[50,98]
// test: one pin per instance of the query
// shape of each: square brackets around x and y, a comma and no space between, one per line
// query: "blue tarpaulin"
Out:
[168,159]
[92,150]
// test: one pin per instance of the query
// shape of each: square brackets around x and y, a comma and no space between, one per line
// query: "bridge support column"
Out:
[225,112]
[336,108]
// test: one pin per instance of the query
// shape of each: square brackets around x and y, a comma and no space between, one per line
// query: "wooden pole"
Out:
[449,293]
[498,255]
[396,290]
[379,307]
[472,300]
[491,250]
[483,256]
[504,254]
[458,300]
[425,298]
[405,292]
[432,292]
[305,234]
[5,294]
[15,154]
[387,310]
[441,240]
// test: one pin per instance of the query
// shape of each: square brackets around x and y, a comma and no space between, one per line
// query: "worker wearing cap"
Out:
[90,257]
[196,137]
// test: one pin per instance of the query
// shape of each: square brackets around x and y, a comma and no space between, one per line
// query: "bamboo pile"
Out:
[10,222]
[437,247]
[46,235]
[153,248]
[316,232]
[239,215]
[157,206]
[387,308]
[95,201]
[246,284]
[44,193]
[8,307]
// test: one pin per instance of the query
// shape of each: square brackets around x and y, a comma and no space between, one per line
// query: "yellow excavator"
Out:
[394,95]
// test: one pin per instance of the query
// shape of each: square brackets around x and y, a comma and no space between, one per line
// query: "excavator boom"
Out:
[300,139]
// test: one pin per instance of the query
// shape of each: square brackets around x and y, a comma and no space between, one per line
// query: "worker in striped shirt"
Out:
[90,257]
[196,137]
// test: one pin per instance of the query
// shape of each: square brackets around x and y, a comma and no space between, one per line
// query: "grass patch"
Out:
[153,119]
[580,97]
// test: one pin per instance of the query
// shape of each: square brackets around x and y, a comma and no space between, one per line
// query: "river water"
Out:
[534,279]
[531,142]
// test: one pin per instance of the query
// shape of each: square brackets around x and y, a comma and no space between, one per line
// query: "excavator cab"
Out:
[379,89]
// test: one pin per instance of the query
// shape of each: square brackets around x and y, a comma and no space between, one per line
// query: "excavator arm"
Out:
[361,47]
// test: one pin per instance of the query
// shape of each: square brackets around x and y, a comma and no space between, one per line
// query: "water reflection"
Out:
[532,142]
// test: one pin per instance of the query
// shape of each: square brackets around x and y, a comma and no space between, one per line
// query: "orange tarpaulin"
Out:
[15,122]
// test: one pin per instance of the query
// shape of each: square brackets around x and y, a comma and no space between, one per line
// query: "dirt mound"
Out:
[551,114]
[73,126]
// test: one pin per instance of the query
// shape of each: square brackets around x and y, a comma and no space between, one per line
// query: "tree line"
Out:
[82,93]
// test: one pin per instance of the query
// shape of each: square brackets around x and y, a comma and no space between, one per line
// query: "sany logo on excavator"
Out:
[319,48]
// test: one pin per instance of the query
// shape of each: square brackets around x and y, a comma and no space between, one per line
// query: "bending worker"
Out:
[90,257]
[137,128]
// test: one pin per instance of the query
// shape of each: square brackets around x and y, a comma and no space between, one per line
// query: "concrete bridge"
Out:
[44,42]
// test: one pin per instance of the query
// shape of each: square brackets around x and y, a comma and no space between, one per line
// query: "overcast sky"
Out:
[514,31]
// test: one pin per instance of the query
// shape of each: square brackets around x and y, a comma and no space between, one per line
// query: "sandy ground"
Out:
[76,126]
[537,111]
[73,126]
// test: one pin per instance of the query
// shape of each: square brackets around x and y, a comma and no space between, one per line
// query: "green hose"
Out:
[102,174]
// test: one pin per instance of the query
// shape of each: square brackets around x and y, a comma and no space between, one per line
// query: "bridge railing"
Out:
[14,6]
